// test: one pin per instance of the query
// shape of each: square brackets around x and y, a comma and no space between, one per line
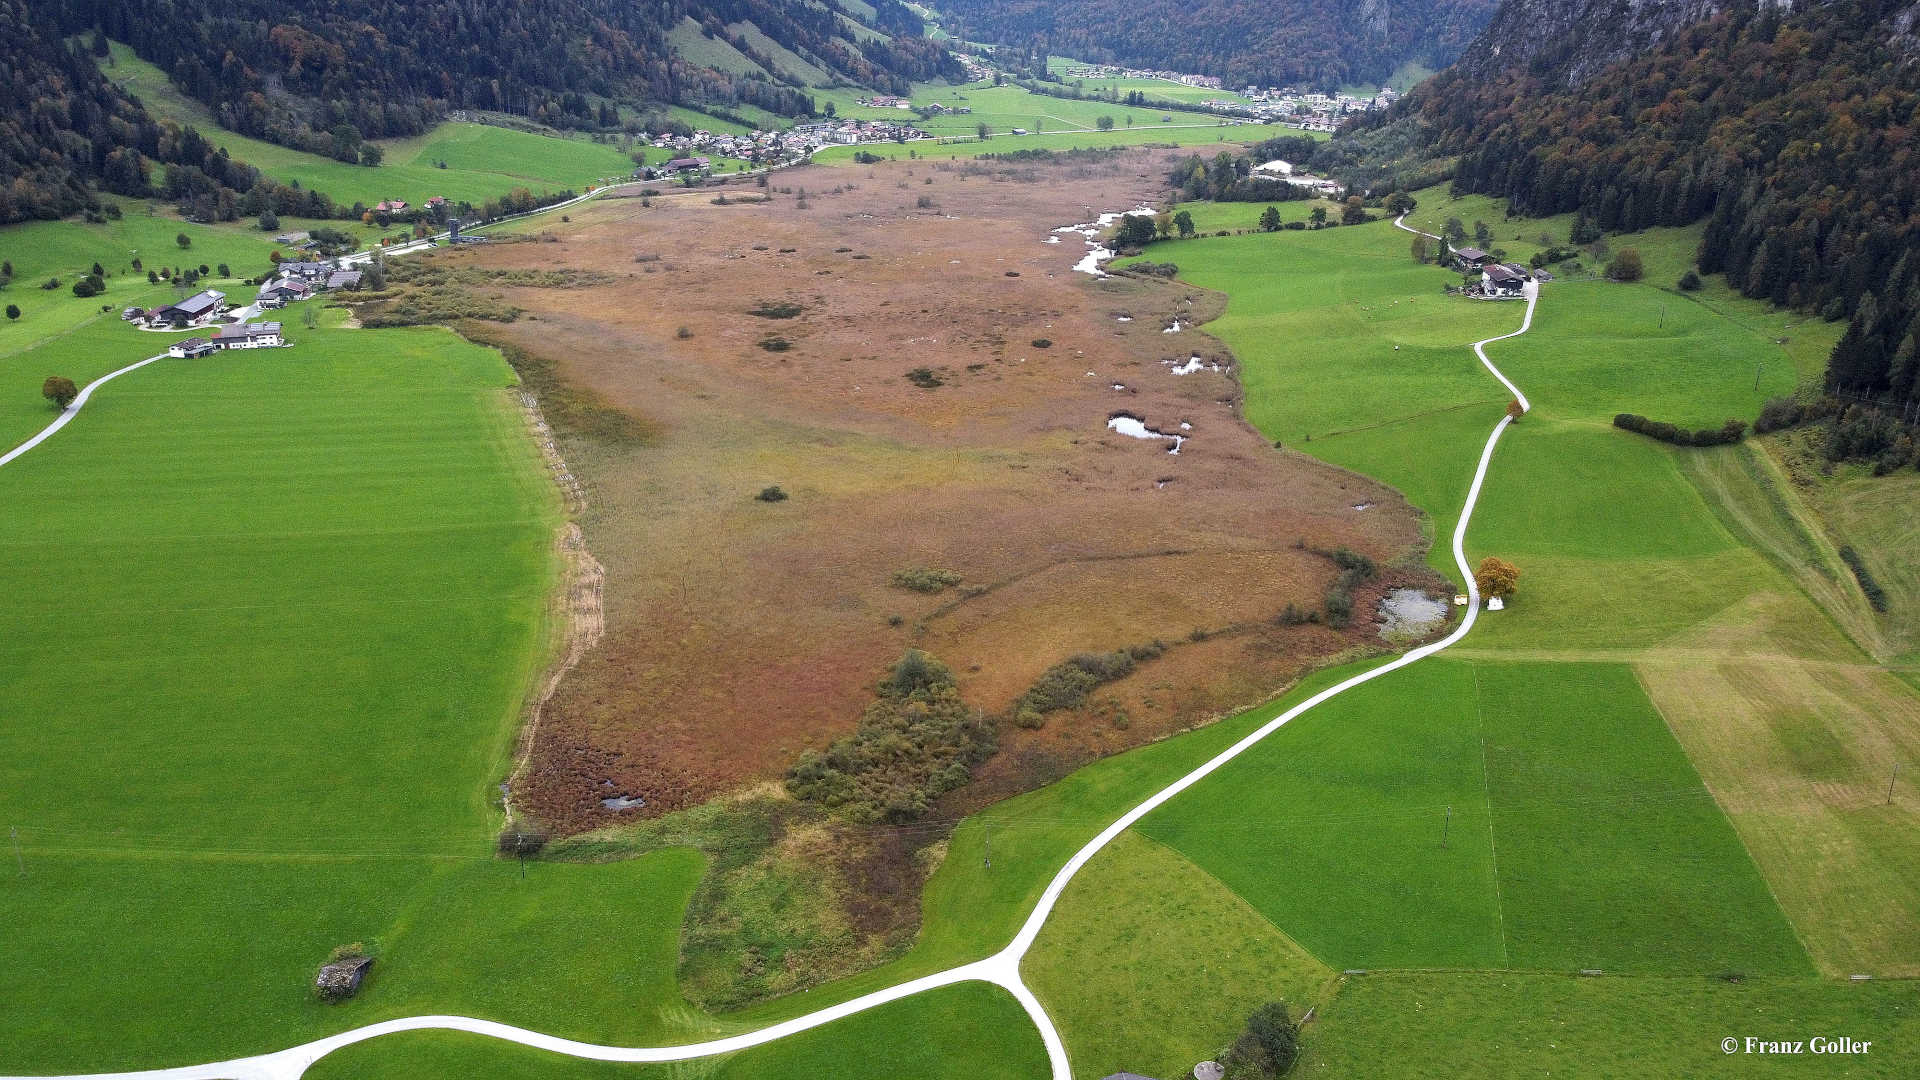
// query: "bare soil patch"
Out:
[914,424]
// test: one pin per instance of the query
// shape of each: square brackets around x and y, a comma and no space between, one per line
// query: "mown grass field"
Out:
[1129,996]
[482,161]
[1579,835]
[1500,1025]
[300,594]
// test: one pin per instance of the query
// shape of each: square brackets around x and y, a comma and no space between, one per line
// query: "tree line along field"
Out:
[482,161]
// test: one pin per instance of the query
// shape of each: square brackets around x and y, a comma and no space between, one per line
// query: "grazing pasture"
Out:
[481,161]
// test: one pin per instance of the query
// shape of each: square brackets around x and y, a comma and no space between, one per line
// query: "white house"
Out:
[250,336]
[191,347]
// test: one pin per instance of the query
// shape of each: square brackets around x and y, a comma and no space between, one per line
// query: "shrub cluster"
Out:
[916,741]
[925,579]
[1355,569]
[776,311]
[1730,432]
[1876,595]
[1066,684]
[1155,269]
[1268,1048]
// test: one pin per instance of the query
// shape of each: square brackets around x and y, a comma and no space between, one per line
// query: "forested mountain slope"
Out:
[326,77]
[1793,134]
[1279,42]
[283,71]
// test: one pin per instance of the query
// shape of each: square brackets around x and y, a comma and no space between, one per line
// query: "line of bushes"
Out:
[1730,432]
[1876,595]
[925,579]
[1067,684]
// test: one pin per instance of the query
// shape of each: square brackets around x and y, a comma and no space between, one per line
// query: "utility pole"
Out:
[15,830]
[1446,827]
[1890,780]
[1663,316]
[1757,369]
[989,860]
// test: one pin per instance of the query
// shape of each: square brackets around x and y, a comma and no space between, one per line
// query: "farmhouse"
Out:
[191,347]
[689,164]
[1467,258]
[132,313]
[391,206]
[198,309]
[279,293]
[250,336]
[1275,168]
[1498,280]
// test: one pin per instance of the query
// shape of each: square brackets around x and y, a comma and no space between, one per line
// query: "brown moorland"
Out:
[902,351]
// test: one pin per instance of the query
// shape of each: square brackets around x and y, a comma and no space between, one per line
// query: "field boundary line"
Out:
[1001,969]
[1493,843]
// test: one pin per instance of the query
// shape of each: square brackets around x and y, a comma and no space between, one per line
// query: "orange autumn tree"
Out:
[1496,577]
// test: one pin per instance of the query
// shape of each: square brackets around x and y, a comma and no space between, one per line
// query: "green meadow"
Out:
[1560,751]
[300,594]
[461,161]
[1500,1025]
[971,1030]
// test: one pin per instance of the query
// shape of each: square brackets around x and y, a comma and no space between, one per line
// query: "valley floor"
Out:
[273,616]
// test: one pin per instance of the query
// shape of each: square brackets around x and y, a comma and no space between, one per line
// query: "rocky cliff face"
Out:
[1574,40]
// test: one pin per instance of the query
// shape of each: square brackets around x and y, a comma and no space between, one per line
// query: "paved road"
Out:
[67,414]
[1001,969]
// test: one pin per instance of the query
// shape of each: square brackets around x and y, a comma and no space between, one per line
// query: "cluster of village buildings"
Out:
[1309,110]
[1113,71]
[695,152]
[230,329]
